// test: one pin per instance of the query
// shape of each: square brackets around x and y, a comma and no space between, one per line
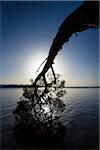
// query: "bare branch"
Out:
[83,18]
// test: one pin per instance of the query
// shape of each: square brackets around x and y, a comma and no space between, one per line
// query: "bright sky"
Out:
[28,29]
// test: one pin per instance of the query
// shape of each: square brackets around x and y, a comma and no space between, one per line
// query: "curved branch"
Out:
[83,18]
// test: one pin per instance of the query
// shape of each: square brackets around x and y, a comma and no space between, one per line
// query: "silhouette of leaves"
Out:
[37,113]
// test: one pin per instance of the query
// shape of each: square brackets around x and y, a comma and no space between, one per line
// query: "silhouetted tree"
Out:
[37,113]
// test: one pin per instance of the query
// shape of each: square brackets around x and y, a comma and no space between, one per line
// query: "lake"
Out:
[81,118]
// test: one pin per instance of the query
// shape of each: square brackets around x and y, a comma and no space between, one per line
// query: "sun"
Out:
[35,59]
[33,62]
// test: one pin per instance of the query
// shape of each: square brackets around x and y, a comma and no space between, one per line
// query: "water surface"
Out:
[81,117]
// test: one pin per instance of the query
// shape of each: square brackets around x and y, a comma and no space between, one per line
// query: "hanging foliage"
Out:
[37,113]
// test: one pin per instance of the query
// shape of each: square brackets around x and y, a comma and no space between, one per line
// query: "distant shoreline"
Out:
[22,86]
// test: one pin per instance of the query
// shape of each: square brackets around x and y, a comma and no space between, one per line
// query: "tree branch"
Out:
[83,18]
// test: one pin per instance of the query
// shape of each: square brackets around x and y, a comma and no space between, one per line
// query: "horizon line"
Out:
[24,85]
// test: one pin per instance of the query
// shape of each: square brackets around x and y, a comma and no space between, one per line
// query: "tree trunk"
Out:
[83,18]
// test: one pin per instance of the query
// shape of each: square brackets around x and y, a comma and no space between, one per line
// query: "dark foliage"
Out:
[37,113]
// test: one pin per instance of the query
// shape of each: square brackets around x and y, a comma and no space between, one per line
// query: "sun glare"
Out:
[34,60]
[33,63]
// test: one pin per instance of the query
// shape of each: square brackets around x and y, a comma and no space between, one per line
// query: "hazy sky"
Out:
[27,32]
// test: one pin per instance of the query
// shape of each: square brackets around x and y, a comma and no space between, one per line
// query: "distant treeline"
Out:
[22,86]
[13,86]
